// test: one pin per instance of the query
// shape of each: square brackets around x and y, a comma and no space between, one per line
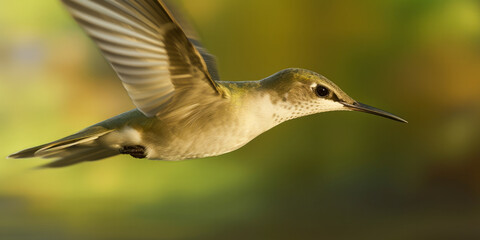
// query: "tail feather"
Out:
[26,153]
[76,148]
[74,155]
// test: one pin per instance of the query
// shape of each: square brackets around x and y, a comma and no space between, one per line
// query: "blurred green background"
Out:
[339,175]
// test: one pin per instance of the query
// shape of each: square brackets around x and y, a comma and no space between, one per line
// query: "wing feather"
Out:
[148,50]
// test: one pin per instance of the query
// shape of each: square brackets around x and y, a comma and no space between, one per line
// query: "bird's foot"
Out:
[136,151]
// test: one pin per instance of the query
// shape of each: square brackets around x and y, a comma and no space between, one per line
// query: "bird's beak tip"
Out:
[357,106]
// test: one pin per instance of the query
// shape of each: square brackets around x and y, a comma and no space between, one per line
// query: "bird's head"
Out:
[303,92]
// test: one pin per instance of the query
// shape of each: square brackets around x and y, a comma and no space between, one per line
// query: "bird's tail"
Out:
[76,148]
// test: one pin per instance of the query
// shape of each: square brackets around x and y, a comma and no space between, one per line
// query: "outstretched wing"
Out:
[192,35]
[147,48]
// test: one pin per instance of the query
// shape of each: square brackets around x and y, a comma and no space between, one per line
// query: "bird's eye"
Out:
[322,91]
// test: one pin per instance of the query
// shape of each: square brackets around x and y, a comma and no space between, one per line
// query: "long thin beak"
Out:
[368,109]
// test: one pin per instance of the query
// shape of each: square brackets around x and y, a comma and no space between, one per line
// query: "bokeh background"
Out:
[336,175]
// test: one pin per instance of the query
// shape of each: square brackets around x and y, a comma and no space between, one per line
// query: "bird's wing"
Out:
[147,48]
[193,36]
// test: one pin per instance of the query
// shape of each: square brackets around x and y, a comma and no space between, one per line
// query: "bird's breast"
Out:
[208,134]
[197,141]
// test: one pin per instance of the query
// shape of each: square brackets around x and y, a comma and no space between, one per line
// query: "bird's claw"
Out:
[135,151]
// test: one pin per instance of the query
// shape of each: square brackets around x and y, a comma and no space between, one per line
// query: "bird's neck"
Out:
[257,104]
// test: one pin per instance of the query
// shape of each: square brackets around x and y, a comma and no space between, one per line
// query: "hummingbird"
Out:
[183,110]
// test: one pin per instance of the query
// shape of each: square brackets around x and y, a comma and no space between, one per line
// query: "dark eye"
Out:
[322,91]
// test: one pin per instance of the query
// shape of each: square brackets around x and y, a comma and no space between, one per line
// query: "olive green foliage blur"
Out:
[339,175]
